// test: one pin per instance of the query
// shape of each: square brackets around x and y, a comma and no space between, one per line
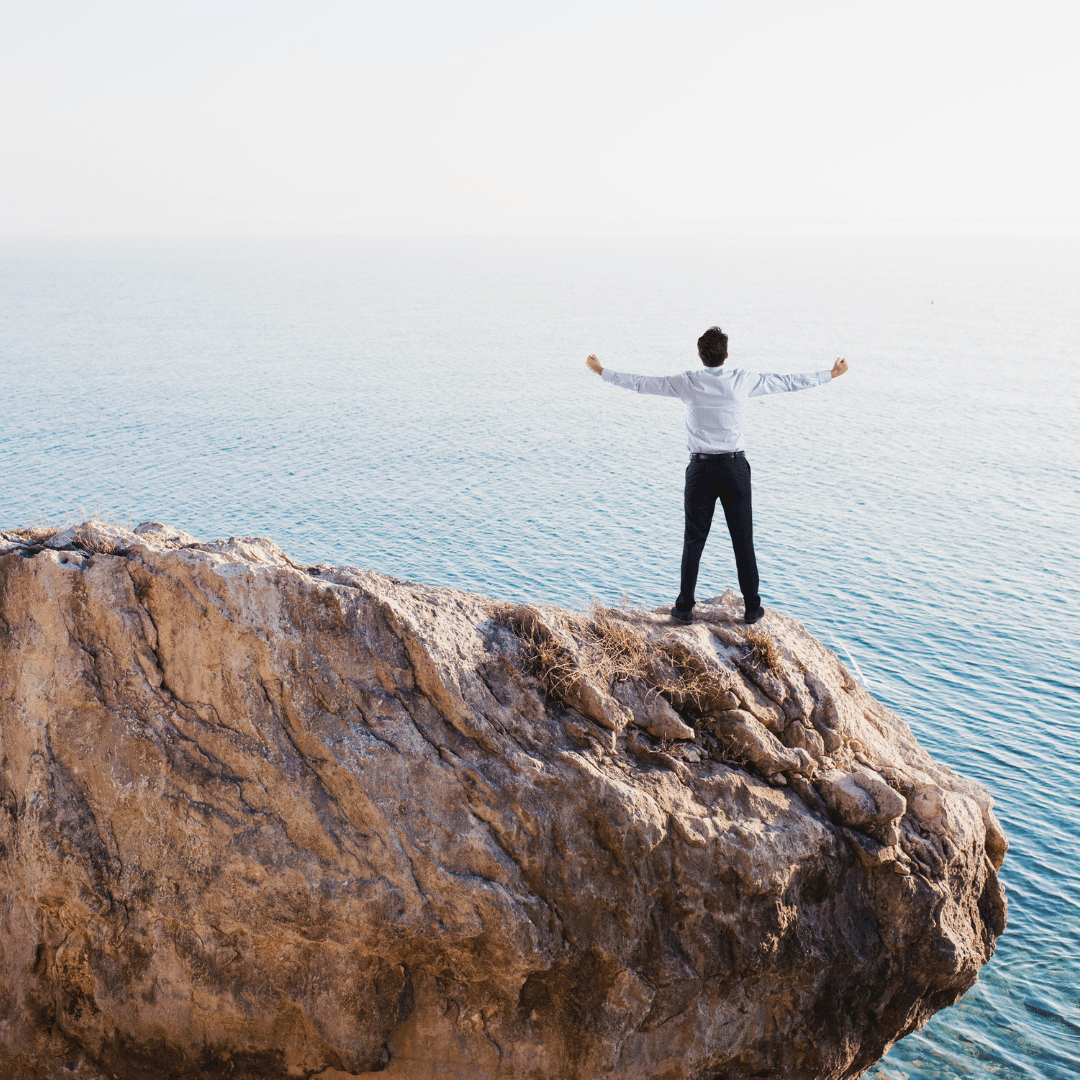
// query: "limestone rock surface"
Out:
[263,820]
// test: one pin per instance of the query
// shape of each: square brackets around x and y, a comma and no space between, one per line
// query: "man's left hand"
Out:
[839,368]
[594,365]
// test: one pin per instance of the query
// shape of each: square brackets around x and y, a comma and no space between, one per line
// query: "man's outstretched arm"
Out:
[783,384]
[663,385]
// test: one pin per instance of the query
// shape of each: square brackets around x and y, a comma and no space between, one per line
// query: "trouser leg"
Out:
[699,501]
[736,500]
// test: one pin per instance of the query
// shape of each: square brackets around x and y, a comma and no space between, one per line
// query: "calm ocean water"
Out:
[421,407]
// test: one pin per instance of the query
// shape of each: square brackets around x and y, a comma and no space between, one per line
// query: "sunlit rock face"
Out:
[264,820]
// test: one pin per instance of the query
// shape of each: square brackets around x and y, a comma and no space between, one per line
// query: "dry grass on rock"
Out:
[31,534]
[89,536]
[609,646]
[764,650]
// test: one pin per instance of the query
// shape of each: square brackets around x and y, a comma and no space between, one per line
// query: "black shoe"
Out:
[754,615]
[682,616]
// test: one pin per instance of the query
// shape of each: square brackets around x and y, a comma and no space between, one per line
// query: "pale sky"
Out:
[230,116]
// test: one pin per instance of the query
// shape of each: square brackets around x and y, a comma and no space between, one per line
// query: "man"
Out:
[715,401]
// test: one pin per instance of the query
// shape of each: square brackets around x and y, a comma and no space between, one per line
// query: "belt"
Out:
[715,457]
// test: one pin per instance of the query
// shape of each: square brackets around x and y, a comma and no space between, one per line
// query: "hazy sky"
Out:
[156,116]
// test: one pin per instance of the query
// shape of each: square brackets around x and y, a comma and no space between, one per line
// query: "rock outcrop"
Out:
[267,820]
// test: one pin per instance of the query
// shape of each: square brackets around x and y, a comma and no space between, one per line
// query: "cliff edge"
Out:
[263,820]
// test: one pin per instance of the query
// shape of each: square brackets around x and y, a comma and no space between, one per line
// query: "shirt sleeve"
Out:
[662,385]
[783,384]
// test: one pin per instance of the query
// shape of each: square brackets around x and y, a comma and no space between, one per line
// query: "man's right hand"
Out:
[839,368]
[594,365]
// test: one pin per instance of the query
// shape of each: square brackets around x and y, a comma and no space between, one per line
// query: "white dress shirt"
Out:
[715,399]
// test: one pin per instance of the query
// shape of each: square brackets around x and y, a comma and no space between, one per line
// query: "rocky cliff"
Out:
[263,820]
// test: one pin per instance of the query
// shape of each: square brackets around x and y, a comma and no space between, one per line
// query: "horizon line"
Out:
[658,228]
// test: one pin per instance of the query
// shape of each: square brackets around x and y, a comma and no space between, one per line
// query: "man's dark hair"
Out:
[712,347]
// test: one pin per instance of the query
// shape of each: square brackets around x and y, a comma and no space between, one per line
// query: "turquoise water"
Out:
[421,407]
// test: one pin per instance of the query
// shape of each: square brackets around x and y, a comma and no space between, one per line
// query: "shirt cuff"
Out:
[607,375]
[825,376]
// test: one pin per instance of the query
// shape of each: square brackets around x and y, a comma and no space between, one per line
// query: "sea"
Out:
[421,406]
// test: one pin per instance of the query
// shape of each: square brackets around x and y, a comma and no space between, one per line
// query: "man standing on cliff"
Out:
[715,402]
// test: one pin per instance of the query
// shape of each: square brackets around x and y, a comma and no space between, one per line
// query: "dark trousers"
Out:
[726,479]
